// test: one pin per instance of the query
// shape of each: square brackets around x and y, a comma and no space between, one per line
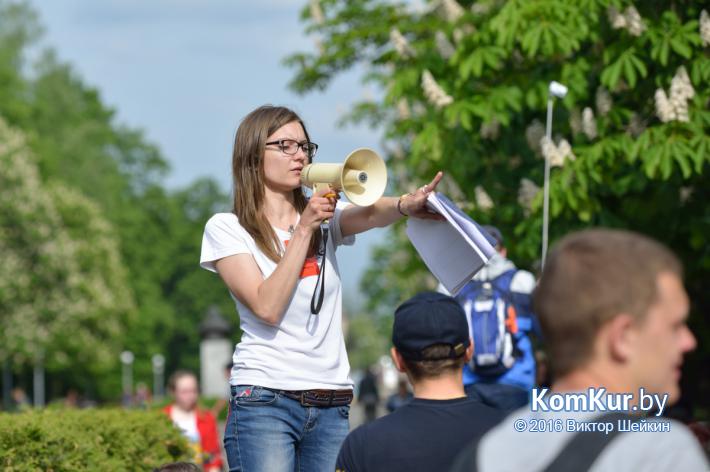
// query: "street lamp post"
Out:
[558,90]
[6,384]
[215,351]
[127,359]
[158,362]
[38,380]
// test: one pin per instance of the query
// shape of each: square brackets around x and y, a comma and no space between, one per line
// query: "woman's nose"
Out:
[300,154]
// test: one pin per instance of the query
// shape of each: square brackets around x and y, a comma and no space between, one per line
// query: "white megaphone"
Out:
[362,177]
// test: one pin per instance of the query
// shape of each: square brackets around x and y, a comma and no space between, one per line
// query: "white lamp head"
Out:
[557,89]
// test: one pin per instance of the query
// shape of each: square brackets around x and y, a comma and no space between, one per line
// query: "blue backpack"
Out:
[492,320]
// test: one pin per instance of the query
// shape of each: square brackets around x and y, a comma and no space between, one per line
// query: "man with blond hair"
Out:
[613,312]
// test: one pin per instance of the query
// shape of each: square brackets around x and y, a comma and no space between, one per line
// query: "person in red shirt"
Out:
[198,426]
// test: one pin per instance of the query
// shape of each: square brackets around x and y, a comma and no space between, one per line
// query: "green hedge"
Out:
[94,439]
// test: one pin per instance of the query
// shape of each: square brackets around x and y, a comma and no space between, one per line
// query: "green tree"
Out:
[463,88]
[367,339]
[80,148]
[63,288]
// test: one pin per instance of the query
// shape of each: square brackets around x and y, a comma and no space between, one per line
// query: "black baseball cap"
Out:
[495,233]
[427,319]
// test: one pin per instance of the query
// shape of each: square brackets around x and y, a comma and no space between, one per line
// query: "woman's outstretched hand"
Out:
[414,204]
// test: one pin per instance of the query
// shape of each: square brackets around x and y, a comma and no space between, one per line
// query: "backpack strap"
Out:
[502,282]
[583,449]
[578,454]
[471,286]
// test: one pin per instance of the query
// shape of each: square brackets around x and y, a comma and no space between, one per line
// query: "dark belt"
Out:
[319,397]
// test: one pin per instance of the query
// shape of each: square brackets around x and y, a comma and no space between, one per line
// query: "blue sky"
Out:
[187,71]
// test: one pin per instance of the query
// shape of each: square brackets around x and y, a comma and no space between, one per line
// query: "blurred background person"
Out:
[20,401]
[197,425]
[401,397]
[143,397]
[369,395]
[497,302]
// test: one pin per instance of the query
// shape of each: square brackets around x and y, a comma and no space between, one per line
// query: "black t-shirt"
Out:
[422,435]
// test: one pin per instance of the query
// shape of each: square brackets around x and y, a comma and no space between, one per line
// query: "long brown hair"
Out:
[248,176]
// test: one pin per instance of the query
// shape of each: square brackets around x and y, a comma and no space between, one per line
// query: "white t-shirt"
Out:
[303,351]
[188,426]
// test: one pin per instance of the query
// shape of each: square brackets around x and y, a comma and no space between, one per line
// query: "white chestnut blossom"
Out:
[481,7]
[630,20]
[433,91]
[316,12]
[675,105]
[451,10]
[490,130]
[636,126]
[483,200]
[443,45]
[527,193]
[664,109]
[616,19]
[534,134]
[603,101]
[634,21]
[403,109]
[681,88]
[589,124]
[575,121]
[705,28]
[418,109]
[557,154]
[685,193]
[462,32]
[400,43]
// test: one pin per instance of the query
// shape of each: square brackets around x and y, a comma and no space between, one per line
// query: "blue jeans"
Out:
[500,396]
[269,432]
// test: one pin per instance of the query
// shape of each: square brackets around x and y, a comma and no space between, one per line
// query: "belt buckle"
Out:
[305,401]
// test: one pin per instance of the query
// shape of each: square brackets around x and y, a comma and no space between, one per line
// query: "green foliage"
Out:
[368,338]
[63,287]
[88,440]
[635,167]
[92,167]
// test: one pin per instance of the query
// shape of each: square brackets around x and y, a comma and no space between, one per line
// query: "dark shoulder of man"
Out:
[423,435]
[353,451]
[486,417]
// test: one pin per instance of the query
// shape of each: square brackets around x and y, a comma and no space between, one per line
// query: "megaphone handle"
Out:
[316,187]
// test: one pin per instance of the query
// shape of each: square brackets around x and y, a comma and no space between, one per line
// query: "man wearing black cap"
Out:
[431,344]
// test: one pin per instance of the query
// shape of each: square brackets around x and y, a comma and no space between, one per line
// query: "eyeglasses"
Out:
[290,147]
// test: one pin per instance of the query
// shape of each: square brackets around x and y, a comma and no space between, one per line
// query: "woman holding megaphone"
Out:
[290,382]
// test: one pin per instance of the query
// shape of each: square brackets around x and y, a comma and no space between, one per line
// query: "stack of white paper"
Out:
[453,250]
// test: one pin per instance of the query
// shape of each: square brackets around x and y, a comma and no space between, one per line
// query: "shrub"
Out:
[75,440]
